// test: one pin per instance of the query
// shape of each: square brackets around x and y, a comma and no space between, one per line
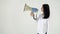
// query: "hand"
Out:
[32,14]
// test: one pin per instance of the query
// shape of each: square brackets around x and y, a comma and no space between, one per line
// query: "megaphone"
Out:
[33,10]
[27,8]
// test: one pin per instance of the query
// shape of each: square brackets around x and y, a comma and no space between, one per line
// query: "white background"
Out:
[14,21]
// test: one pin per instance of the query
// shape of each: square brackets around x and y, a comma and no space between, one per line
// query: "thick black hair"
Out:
[46,11]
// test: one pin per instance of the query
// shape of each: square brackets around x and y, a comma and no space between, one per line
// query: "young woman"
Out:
[42,25]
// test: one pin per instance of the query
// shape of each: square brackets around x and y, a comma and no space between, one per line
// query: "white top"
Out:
[42,25]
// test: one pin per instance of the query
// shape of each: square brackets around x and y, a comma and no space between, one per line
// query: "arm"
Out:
[34,17]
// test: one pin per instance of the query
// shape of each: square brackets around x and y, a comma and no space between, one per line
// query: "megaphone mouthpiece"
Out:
[34,10]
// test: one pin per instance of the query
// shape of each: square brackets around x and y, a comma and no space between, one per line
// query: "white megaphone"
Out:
[27,8]
[33,10]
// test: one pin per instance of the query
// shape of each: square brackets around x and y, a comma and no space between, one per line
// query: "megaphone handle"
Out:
[35,17]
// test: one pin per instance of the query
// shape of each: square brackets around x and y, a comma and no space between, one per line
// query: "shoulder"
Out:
[40,16]
[47,20]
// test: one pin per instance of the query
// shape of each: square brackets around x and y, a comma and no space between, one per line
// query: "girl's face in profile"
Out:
[42,10]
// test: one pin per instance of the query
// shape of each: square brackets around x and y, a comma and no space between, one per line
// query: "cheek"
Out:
[41,9]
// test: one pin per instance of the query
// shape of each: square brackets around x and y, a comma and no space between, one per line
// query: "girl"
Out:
[42,25]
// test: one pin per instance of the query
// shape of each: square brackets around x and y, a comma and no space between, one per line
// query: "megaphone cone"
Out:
[27,8]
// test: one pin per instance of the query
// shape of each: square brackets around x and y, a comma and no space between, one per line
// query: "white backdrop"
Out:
[14,21]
